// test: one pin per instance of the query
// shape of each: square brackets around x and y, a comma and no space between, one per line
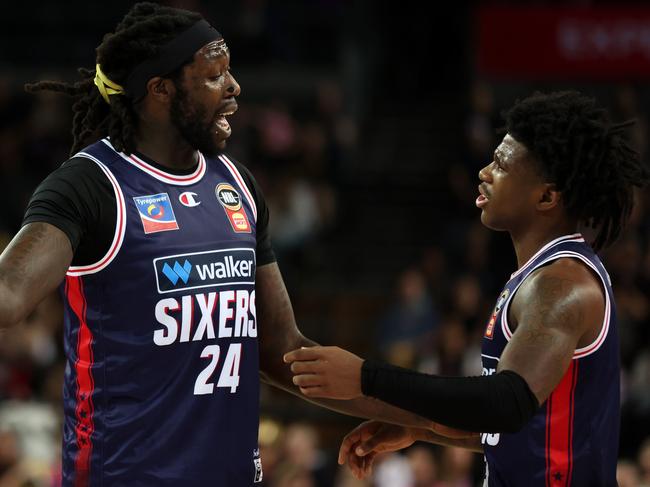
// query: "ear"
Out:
[549,197]
[160,89]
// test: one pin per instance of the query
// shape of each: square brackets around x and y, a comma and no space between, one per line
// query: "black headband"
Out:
[171,55]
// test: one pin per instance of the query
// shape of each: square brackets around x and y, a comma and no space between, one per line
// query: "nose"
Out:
[233,87]
[485,174]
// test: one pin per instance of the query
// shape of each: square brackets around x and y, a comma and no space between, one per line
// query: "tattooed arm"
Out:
[557,309]
[31,266]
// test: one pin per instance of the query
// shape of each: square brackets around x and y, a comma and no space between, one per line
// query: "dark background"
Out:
[365,123]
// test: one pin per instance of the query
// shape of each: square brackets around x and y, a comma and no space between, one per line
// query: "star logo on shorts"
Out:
[557,476]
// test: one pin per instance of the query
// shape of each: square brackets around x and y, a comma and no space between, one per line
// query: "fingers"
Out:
[302,354]
[354,437]
[316,391]
[348,444]
[306,367]
[307,380]
[361,467]
[367,464]
[375,444]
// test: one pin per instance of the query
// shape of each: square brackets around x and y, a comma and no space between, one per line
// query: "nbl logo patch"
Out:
[489,331]
[156,213]
[231,202]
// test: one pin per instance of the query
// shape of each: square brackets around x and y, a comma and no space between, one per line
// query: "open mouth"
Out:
[222,124]
[482,199]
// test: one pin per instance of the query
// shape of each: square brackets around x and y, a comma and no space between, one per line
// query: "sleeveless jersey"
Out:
[162,376]
[572,440]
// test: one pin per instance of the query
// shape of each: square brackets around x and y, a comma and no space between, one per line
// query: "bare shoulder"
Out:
[558,309]
[565,277]
[564,293]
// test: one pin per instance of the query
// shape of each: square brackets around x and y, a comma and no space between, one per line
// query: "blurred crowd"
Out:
[300,150]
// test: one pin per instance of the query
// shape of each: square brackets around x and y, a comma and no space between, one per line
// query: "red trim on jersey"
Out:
[240,180]
[196,175]
[559,430]
[85,382]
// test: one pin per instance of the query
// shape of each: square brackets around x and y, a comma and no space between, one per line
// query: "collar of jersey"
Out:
[576,237]
[158,172]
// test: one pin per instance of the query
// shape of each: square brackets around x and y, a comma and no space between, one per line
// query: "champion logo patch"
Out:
[189,199]
[231,202]
[156,213]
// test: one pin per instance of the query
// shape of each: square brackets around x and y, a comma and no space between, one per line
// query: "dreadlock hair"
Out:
[139,36]
[584,154]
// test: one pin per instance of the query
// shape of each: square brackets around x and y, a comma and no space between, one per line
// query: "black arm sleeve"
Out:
[264,252]
[499,403]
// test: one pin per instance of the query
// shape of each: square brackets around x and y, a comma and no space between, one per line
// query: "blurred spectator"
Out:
[644,462]
[304,460]
[392,470]
[627,474]
[271,437]
[453,355]
[456,467]
[409,321]
[345,478]
[480,126]
[424,465]
[12,471]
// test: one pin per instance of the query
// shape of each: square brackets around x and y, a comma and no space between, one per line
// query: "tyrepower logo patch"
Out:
[156,213]
[231,202]
[205,269]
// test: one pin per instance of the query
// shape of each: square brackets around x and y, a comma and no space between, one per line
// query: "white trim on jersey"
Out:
[120,225]
[579,352]
[160,175]
[240,181]
[490,356]
[576,237]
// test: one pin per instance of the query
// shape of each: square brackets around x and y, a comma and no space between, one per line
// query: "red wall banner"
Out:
[607,43]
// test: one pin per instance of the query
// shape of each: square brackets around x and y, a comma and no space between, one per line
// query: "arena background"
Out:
[365,123]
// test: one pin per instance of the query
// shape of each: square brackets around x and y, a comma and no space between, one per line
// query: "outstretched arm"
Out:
[555,310]
[31,266]
[278,334]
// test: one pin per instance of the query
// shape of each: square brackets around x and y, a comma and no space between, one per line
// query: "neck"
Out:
[528,243]
[165,145]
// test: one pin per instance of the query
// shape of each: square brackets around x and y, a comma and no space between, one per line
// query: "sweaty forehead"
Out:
[214,50]
[510,148]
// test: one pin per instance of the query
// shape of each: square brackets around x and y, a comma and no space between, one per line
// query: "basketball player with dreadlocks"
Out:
[158,241]
[547,405]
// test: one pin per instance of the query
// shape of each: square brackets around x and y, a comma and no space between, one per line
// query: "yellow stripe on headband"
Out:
[106,86]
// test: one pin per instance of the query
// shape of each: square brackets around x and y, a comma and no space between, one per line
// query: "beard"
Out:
[190,121]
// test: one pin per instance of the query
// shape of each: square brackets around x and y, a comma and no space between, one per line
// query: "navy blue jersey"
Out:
[162,378]
[573,438]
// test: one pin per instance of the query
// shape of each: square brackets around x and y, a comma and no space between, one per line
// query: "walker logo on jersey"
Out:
[231,202]
[156,213]
[489,331]
[177,272]
[205,269]
[189,199]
